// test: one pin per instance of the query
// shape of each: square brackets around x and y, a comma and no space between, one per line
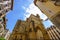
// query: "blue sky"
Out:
[23,9]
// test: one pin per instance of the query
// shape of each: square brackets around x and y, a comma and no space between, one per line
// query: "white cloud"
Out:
[32,9]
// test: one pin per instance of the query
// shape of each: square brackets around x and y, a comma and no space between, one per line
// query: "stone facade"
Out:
[54,33]
[5,6]
[31,29]
[6,34]
[2,25]
[51,8]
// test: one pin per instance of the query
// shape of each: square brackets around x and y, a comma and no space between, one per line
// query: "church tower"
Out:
[31,29]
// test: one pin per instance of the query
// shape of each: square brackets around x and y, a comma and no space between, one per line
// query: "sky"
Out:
[23,9]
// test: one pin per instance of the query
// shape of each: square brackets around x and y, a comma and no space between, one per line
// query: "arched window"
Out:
[57,2]
[39,35]
[33,26]
[32,23]
[30,30]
